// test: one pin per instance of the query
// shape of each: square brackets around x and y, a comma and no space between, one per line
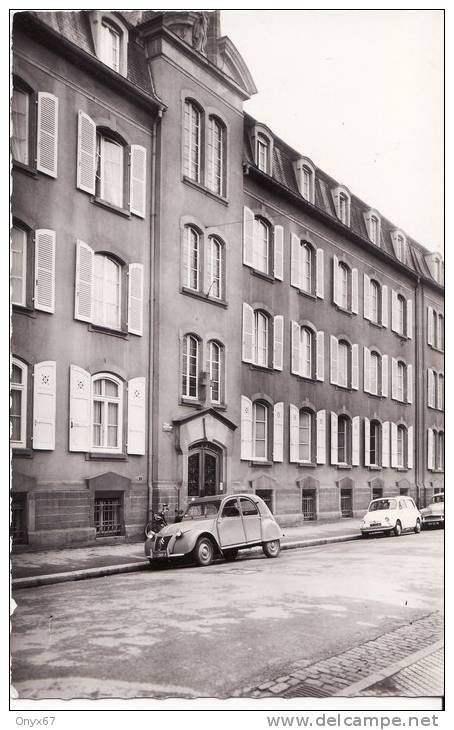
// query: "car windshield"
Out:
[438,498]
[382,504]
[201,510]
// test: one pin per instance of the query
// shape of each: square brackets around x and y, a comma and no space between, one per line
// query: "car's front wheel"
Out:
[418,526]
[271,548]
[203,551]
[230,554]
[397,529]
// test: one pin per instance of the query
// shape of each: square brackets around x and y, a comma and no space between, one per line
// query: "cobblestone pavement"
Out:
[331,675]
[424,678]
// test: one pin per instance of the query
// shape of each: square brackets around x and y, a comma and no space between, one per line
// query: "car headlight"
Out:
[387,519]
[179,534]
[363,522]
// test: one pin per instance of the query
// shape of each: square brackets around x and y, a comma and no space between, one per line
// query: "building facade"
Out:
[234,319]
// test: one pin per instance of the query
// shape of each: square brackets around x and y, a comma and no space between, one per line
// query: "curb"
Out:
[354,689]
[102,571]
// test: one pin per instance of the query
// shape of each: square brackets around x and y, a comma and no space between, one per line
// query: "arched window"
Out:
[307,183]
[400,384]
[401,446]
[401,247]
[374,229]
[261,338]
[374,443]
[107,292]
[343,282]
[260,435]
[216,156]
[306,352]
[215,369]
[191,256]
[305,436]
[107,396]
[400,314]
[190,382]
[18,410]
[307,266]
[374,301]
[110,173]
[192,140]
[343,440]
[18,275]
[262,245]
[343,369]
[344,205]
[263,153]
[374,372]
[20,139]
[214,266]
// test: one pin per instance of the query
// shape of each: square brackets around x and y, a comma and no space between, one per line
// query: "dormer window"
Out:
[400,245]
[373,225]
[436,268]
[110,37]
[110,46]
[343,202]
[263,153]
[341,198]
[305,177]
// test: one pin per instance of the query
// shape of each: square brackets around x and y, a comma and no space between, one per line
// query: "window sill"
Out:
[110,206]
[402,337]
[199,295]
[23,309]
[344,466]
[375,395]
[218,406]
[401,468]
[401,402]
[344,388]
[435,408]
[261,368]
[306,465]
[19,453]
[27,169]
[376,324]
[201,188]
[107,331]
[436,349]
[261,274]
[261,463]
[94,456]
[343,310]
[308,379]
[374,467]
[307,294]
[195,403]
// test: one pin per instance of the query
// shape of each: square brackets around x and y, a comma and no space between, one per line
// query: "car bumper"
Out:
[426,521]
[369,530]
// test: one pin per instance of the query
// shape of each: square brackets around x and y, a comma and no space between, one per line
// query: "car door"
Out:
[230,524]
[405,514]
[251,520]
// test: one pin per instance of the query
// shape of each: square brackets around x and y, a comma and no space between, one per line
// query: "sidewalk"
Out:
[54,566]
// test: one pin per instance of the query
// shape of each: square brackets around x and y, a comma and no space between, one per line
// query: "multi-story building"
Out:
[234,319]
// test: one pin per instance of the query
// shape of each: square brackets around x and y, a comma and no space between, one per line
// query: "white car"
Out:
[392,515]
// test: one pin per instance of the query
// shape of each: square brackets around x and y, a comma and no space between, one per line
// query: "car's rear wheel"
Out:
[204,551]
[418,526]
[397,529]
[230,554]
[271,548]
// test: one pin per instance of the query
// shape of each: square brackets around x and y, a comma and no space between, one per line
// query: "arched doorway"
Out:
[204,470]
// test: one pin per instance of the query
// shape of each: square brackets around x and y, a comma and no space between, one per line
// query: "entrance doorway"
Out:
[204,470]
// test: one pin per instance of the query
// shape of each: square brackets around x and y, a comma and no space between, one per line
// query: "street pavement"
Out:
[228,629]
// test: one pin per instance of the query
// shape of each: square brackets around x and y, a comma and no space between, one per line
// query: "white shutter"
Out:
[320,277]
[321,437]
[384,376]
[248,334]
[294,433]
[394,312]
[366,442]
[355,367]
[333,359]
[138,180]
[430,449]
[410,448]
[320,369]
[384,305]
[44,398]
[393,445]
[295,366]
[336,299]
[430,326]
[86,153]
[431,388]
[409,383]
[333,438]
[355,440]
[47,134]
[385,444]
[45,270]
[366,297]
[84,281]
[136,416]
[278,341]
[135,299]
[248,237]
[279,252]
[393,378]
[246,428]
[366,370]
[295,263]
[278,432]
[79,409]
[355,291]
[409,319]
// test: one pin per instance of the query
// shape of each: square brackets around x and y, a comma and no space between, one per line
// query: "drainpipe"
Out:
[419,390]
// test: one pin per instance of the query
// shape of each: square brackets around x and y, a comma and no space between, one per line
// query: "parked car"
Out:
[434,514]
[392,515]
[214,527]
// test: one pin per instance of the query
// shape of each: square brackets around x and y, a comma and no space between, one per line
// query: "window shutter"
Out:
[320,370]
[279,252]
[366,370]
[320,277]
[278,432]
[246,428]
[430,449]
[355,291]
[84,281]
[335,280]
[333,438]
[321,437]
[294,433]
[409,319]
[333,358]
[384,376]
[295,348]
[430,326]
[138,180]
[394,312]
[295,261]
[409,383]
[440,394]
[384,306]
[135,299]
[355,367]
[385,444]
[366,442]
[47,134]
[393,377]
[45,270]
[248,237]
[393,445]
[278,349]
[136,416]
[431,388]
[44,397]
[355,440]
[410,448]
[79,409]
[86,153]
[248,334]
[366,297]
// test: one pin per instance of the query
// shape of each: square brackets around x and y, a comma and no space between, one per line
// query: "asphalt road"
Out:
[193,632]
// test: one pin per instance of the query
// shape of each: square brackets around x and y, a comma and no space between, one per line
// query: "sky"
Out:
[359,92]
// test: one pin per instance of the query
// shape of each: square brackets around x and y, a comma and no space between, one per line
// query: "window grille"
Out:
[108,516]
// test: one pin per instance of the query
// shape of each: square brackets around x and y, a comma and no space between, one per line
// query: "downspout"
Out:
[419,392]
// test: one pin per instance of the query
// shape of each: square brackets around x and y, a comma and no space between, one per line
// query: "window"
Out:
[110,46]
[108,510]
[107,292]
[343,281]
[440,451]
[373,225]
[260,431]
[306,347]
[374,373]
[401,248]
[216,156]
[110,170]
[341,198]
[107,413]
[18,266]
[261,338]
[441,332]
[18,409]
[400,385]
[343,351]
[262,248]
[307,352]
[20,140]
[307,264]
[214,268]
[191,263]
[34,139]
[374,443]
[440,392]
[262,153]
[401,443]
[215,353]
[190,384]
[307,267]
[305,436]
[400,315]
[374,302]
[343,440]
[192,141]
[435,329]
